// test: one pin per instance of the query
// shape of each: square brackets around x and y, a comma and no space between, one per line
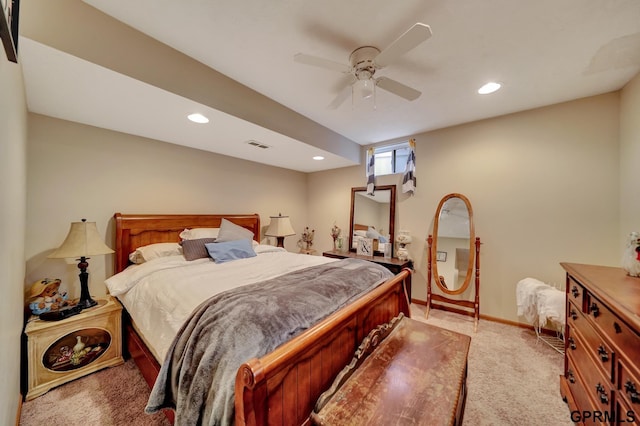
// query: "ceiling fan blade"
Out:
[342,96]
[407,41]
[397,88]
[321,62]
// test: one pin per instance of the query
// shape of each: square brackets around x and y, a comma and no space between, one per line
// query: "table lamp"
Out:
[82,241]
[280,227]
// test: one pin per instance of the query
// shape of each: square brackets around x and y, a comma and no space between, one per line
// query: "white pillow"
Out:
[154,251]
[197,233]
[360,233]
[229,231]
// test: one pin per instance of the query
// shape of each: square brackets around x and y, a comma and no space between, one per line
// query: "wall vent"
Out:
[258,144]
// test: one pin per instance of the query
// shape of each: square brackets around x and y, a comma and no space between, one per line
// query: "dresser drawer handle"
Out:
[572,343]
[594,310]
[604,356]
[630,388]
[570,376]
[575,291]
[617,327]
[574,314]
[602,393]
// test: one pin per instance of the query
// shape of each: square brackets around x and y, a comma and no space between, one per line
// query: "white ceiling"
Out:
[543,52]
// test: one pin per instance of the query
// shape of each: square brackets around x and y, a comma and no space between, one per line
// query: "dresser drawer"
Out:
[623,337]
[594,345]
[597,386]
[574,313]
[629,386]
[579,394]
[576,293]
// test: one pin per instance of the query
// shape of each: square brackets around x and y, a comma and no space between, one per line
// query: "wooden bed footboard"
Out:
[282,387]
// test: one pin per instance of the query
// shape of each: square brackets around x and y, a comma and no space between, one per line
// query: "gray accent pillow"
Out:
[229,231]
[195,249]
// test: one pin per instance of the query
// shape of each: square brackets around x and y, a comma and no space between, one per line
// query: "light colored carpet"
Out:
[111,397]
[513,380]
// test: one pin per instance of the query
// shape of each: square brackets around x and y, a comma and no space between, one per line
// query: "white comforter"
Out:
[160,294]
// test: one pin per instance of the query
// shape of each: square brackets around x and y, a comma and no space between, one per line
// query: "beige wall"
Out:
[629,158]
[13,146]
[77,171]
[543,185]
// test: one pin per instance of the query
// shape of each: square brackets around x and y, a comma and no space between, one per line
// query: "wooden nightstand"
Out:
[393,264]
[61,351]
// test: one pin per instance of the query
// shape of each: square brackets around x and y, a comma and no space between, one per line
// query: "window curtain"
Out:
[371,171]
[409,177]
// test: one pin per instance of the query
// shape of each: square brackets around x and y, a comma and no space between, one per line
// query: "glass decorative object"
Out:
[335,233]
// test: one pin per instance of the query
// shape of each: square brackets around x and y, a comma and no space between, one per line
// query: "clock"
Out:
[365,247]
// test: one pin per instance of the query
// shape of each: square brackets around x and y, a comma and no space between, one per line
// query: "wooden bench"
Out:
[404,372]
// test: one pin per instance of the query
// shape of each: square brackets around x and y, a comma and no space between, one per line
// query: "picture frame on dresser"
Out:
[365,247]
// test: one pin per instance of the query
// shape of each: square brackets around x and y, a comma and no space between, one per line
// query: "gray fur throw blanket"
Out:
[198,375]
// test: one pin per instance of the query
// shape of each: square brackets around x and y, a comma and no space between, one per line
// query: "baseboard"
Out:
[19,411]
[544,331]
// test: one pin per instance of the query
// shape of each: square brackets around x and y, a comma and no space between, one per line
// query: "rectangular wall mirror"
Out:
[372,214]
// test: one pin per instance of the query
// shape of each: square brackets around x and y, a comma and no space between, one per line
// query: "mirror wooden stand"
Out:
[454,245]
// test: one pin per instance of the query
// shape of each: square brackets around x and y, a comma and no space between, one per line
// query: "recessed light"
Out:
[198,118]
[490,87]
[318,157]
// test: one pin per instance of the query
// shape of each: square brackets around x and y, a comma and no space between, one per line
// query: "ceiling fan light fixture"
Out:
[366,88]
[490,87]
[363,92]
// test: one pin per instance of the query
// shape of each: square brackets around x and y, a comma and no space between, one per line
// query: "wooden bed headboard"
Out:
[360,227]
[137,230]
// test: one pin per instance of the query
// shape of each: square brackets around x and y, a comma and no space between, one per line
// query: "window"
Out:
[391,159]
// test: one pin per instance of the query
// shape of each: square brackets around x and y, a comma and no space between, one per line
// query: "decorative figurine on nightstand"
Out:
[403,239]
[335,233]
[45,296]
[631,258]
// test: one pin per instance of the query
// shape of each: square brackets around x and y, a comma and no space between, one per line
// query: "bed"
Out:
[281,386]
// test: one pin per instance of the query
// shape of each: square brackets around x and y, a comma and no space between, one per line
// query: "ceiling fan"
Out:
[366,60]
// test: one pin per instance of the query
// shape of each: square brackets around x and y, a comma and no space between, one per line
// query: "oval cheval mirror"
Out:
[454,257]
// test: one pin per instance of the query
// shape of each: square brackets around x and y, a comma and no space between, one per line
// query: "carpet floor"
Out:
[513,380]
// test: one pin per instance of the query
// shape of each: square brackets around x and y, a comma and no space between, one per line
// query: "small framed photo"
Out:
[365,247]
[441,256]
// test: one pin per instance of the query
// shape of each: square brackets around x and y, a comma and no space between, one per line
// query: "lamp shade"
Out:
[83,240]
[280,226]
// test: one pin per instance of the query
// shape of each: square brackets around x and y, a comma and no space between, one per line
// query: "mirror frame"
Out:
[434,247]
[392,214]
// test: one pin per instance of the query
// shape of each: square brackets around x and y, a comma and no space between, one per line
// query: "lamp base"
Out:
[86,303]
[85,298]
[280,242]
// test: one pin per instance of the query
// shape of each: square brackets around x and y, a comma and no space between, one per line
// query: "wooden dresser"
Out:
[601,381]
